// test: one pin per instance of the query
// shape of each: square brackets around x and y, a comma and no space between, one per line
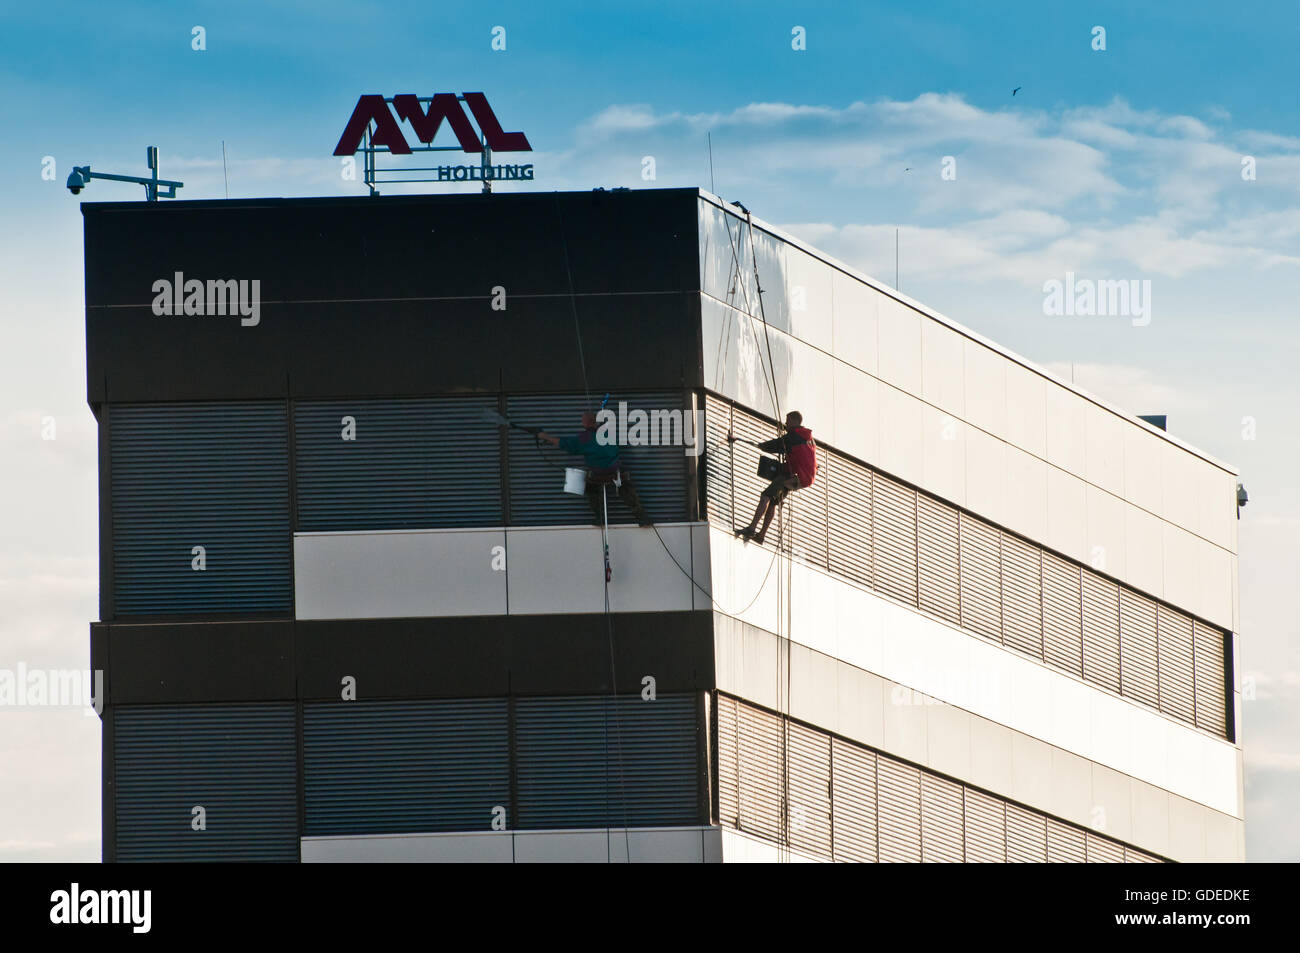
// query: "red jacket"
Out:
[800,453]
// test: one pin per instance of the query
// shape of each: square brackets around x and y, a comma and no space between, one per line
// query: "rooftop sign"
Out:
[426,122]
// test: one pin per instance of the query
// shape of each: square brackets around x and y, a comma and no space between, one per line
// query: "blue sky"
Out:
[1117,164]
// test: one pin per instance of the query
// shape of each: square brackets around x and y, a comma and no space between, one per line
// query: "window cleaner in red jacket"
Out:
[798,471]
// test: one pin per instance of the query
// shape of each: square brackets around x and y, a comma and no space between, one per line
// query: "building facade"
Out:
[348,615]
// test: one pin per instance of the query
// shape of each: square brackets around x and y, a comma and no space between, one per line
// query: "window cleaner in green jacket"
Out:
[603,467]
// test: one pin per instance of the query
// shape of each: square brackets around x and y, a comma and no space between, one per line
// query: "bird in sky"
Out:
[1016,90]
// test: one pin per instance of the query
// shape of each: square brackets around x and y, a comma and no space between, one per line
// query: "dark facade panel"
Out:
[200,475]
[607,762]
[405,766]
[397,464]
[202,661]
[236,762]
[393,295]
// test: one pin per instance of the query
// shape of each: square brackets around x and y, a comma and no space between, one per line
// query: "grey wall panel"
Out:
[893,524]
[1062,614]
[850,521]
[1174,661]
[1212,689]
[602,761]
[237,762]
[1022,596]
[1065,843]
[899,800]
[211,475]
[1103,851]
[810,790]
[981,585]
[412,464]
[986,828]
[394,767]
[853,802]
[939,582]
[719,465]
[1026,836]
[1100,631]
[942,820]
[1137,646]
[536,490]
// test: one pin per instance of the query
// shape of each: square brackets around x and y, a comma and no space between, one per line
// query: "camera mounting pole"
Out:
[81,176]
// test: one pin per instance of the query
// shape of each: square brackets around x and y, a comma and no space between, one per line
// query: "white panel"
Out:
[1179,486]
[554,569]
[1186,831]
[1217,575]
[1031,770]
[734,362]
[1151,818]
[985,475]
[990,748]
[899,337]
[644,578]
[741,579]
[943,377]
[1067,514]
[1181,555]
[738,848]
[810,389]
[1071,714]
[856,306]
[859,628]
[944,448]
[1148,738]
[700,567]
[949,740]
[861,699]
[1071,786]
[1112,792]
[1104,433]
[900,435]
[1216,505]
[1143,468]
[1110,725]
[1105,540]
[808,284]
[485,847]
[1065,430]
[857,412]
[566,847]
[1024,507]
[1144,551]
[812,686]
[986,388]
[1026,409]
[386,575]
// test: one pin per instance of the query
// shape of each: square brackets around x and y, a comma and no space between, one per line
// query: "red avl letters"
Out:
[373,108]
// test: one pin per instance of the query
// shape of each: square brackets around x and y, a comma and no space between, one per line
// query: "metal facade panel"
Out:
[727,746]
[939,582]
[1212,691]
[850,519]
[1062,614]
[395,767]
[718,466]
[807,512]
[537,496]
[1026,836]
[597,761]
[853,802]
[212,475]
[411,464]
[893,526]
[981,578]
[1100,631]
[899,800]
[985,828]
[1065,843]
[810,790]
[760,755]
[1022,596]
[942,820]
[1137,645]
[1134,856]
[1174,658]
[237,762]
[1102,850]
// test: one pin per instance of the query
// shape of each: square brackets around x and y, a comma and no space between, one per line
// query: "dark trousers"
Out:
[597,480]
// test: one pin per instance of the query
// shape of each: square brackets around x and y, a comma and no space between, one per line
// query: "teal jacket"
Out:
[597,455]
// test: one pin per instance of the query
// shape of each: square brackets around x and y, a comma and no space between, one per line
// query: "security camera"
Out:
[79,179]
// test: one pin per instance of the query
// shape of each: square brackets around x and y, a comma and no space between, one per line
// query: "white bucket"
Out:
[575,481]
